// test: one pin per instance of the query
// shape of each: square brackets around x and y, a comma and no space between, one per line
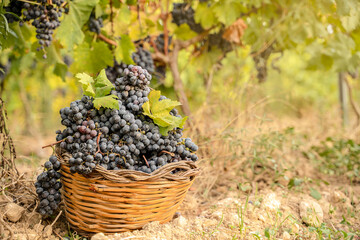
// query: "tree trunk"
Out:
[178,85]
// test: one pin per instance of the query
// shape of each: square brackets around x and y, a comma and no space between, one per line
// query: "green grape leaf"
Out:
[344,7]
[60,70]
[124,15]
[87,84]
[352,21]
[227,11]
[102,81]
[103,91]
[102,85]
[146,108]
[164,130]
[104,3]
[183,32]
[99,88]
[92,58]
[205,16]
[159,111]
[7,35]
[124,50]
[131,2]
[69,33]
[109,101]
[100,8]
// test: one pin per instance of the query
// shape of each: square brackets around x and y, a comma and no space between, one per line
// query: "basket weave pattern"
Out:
[123,200]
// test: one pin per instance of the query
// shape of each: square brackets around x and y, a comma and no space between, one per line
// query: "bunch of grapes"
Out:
[260,61]
[160,71]
[13,11]
[48,187]
[217,40]
[132,89]
[141,58]
[95,24]
[68,60]
[115,71]
[160,42]
[44,17]
[184,14]
[124,138]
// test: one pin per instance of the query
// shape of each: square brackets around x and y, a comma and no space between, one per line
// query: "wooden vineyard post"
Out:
[344,99]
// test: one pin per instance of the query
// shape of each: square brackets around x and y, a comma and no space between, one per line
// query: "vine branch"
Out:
[52,144]
[107,40]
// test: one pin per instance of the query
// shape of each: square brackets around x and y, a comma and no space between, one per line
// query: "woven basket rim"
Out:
[188,170]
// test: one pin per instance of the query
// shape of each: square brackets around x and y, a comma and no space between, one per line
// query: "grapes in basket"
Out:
[124,125]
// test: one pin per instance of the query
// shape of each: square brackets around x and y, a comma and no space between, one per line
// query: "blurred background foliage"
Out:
[285,51]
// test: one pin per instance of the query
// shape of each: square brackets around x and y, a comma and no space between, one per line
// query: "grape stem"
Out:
[30,2]
[171,154]
[57,217]
[52,144]
[146,161]
[97,143]
[57,235]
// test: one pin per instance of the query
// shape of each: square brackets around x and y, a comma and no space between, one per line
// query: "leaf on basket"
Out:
[87,84]
[100,89]
[109,101]
[159,111]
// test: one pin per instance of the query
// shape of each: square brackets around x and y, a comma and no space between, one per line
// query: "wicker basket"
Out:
[123,200]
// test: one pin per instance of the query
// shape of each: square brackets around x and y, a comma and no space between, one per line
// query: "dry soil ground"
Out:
[256,183]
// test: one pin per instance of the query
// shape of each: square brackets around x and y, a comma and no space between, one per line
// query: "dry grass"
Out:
[254,150]
[244,152]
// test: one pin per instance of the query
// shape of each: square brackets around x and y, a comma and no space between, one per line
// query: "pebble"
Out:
[271,203]
[23,236]
[286,236]
[99,236]
[217,215]
[355,200]
[38,227]
[47,231]
[180,221]
[33,218]
[311,212]
[338,196]
[295,228]
[13,212]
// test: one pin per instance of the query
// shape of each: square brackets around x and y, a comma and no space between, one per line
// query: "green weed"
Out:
[326,232]
[337,157]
